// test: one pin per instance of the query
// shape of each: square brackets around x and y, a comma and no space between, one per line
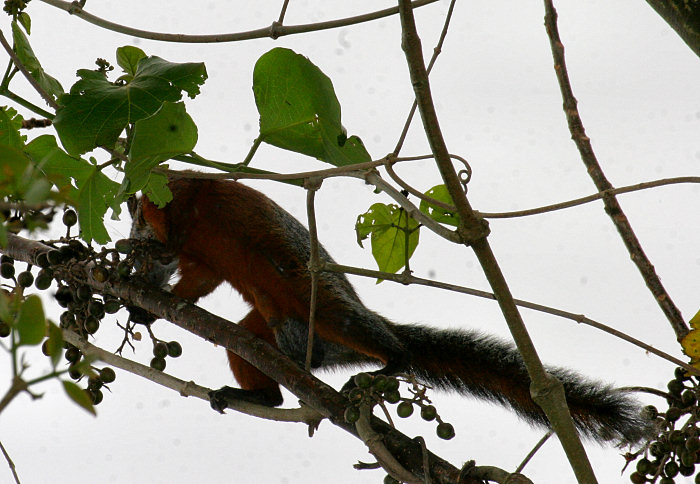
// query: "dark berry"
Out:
[445,431]
[158,363]
[70,218]
[107,375]
[25,279]
[174,349]
[160,349]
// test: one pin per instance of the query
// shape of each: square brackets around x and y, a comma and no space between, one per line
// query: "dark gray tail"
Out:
[485,367]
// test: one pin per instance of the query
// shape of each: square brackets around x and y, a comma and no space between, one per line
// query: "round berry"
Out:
[174,349]
[428,413]
[91,325]
[7,270]
[107,375]
[160,349]
[158,363]
[25,279]
[352,414]
[70,218]
[100,273]
[445,431]
[404,409]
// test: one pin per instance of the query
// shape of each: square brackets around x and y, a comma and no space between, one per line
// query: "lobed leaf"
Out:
[96,111]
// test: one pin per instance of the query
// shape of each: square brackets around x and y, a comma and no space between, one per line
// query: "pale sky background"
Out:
[499,107]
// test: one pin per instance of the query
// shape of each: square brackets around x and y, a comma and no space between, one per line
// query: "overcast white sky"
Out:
[499,107]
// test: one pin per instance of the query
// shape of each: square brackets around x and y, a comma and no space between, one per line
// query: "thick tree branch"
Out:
[612,207]
[313,392]
[546,391]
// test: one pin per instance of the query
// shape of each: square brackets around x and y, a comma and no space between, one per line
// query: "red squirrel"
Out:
[226,231]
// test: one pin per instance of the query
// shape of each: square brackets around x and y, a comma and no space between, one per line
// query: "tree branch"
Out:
[316,394]
[546,391]
[612,207]
[591,198]
[274,31]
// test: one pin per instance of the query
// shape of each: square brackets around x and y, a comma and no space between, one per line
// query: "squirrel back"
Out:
[226,231]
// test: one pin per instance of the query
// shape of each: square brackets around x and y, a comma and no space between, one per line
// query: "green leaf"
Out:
[31,323]
[25,21]
[10,124]
[169,132]
[128,58]
[3,235]
[15,172]
[38,191]
[439,214]
[157,189]
[96,195]
[79,396]
[26,55]
[299,110]
[55,343]
[97,111]
[388,226]
[188,76]
[90,190]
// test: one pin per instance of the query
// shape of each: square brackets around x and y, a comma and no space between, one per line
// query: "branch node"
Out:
[275,30]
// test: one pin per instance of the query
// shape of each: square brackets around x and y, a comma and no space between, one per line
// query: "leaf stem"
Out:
[24,103]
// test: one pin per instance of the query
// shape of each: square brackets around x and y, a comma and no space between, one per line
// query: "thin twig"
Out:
[280,20]
[436,52]
[612,207]
[273,31]
[10,463]
[592,198]
[534,450]
[311,186]
[579,318]
[186,388]
[374,444]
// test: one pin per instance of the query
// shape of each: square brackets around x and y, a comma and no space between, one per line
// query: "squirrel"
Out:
[226,231]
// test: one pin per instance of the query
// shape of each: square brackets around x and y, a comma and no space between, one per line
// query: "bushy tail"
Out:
[485,367]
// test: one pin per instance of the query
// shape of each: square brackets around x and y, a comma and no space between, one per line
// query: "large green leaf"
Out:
[96,111]
[26,55]
[169,132]
[394,235]
[299,110]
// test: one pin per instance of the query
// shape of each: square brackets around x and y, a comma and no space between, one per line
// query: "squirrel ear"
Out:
[133,204]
